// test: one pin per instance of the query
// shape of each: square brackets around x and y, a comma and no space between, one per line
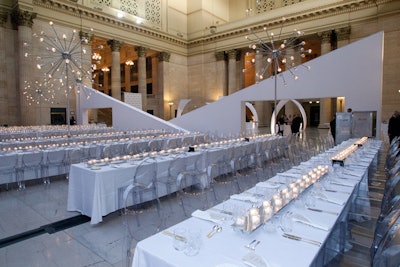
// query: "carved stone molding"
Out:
[232,54]
[86,35]
[115,45]
[343,33]
[220,55]
[141,51]
[164,56]
[325,36]
[22,18]
[3,17]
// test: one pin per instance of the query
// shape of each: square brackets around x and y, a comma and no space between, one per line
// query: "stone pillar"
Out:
[232,71]
[343,36]
[82,117]
[221,73]
[260,106]
[24,21]
[163,72]
[142,76]
[115,68]
[325,104]
[3,71]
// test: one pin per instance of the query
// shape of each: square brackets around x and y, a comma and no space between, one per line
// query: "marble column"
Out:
[115,68]
[142,76]
[82,116]
[163,73]
[343,36]
[231,71]
[325,104]
[260,106]
[221,83]
[24,21]
[3,70]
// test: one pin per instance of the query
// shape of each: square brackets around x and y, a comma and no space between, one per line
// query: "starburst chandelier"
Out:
[63,63]
[36,93]
[277,55]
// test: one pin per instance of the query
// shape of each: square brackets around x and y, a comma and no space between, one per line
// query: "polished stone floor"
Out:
[29,238]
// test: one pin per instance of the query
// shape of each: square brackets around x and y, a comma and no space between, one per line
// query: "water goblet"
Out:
[180,239]
[286,222]
[194,242]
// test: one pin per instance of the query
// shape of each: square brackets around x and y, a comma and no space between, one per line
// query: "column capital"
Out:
[86,36]
[114,44]
[343,33]
[141,51]
[22,18]
[164,56]
[232,54]
[3,17]
[220,55]
[325,36]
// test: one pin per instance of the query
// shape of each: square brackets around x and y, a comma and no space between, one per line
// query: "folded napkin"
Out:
[343,182]
[302,219]
[269,184]
[204,215]
[330,199]
[245,197]
[254,260]
[288,174]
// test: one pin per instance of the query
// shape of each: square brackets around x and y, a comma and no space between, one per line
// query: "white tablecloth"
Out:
[95,192]
[227,247]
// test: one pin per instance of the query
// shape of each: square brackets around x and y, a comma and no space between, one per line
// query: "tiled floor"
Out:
[104,244]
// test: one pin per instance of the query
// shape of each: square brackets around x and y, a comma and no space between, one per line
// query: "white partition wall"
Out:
[353,71]
[124,116]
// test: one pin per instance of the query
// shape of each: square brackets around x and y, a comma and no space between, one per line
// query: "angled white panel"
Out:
[124,116]
[353,71]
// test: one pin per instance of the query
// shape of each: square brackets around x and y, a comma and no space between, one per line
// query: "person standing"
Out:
[394,126]
[296,122]
[333,128]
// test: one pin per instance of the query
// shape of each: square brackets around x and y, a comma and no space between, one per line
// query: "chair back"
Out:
[388,251]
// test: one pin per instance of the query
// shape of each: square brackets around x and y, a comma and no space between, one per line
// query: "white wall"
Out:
[124,116]
[353,71]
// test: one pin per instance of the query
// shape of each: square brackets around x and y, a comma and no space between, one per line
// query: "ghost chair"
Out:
[387,250]
[8,168]
[32,163]
[140,218]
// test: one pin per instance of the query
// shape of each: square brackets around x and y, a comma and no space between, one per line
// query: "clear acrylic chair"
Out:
[8,168]
[173,180]
[75,156]
[32,164]
[135,202]
[194,187]
[387,253]
[55,159]
[155,145]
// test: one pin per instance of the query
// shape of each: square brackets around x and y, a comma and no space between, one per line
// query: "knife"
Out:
[298,238]
[325,211]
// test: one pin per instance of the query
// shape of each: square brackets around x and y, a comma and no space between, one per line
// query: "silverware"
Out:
[324,211]
[250,244]
[298,238]
[336,191]
[253,247]
[222,211]
[216,229]
[177,237]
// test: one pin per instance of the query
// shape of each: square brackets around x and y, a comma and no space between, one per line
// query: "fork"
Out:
[253,244]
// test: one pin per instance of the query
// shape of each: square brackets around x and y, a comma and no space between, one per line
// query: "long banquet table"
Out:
[95,192]
[341,188]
